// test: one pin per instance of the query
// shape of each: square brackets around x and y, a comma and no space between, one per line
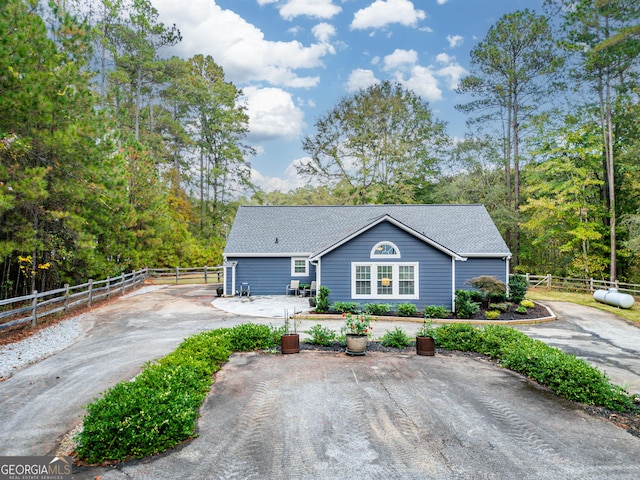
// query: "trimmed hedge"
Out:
[159,408]
[566,375]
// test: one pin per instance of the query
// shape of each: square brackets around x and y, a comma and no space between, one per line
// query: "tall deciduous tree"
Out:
[379,145]
[512,77]
[602,35]
[563,214]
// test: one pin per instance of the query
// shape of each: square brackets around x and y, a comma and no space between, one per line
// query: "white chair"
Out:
[294,286]
[313,289]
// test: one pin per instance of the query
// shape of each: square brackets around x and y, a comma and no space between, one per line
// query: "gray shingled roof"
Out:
[465,229]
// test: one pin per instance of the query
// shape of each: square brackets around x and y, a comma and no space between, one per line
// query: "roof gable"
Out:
[384,218]
[466,230]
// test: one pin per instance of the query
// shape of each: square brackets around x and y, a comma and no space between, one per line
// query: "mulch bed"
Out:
[534,313]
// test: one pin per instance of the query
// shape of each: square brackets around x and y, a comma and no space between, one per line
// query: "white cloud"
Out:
[272,114]
[360,79]
[384,12]
[323,32]
[451,70]
[422,81]
[455,40]
[400,58]
[291,179]
[238,46]
[440,2]
[309,8]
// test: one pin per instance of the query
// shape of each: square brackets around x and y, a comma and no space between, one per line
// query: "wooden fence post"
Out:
[66,297]
[108,287]
[90,299]
[206,279]
[34,316]
[177,274]
[549,281]
[122,283]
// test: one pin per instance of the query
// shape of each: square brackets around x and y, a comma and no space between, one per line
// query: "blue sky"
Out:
[294,59]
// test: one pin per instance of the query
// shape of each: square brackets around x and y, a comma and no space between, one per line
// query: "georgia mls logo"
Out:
[35,468]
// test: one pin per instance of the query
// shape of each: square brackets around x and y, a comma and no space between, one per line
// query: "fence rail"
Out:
[588,285]
[31,308]
[206,274]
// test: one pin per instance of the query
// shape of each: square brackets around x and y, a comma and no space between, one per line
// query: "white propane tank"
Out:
[613,297]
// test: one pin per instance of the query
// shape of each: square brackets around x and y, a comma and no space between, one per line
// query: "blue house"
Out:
[419,254]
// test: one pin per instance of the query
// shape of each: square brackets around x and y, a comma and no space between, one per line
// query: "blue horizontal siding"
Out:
[266,276]
[434,266]
[475,267]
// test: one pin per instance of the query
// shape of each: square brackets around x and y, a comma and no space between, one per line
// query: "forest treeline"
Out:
[114,158]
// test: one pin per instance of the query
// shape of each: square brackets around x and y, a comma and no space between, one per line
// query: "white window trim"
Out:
[396,281]
[372,254]
[293,267]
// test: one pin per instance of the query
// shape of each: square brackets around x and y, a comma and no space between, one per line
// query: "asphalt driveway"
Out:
[322,415]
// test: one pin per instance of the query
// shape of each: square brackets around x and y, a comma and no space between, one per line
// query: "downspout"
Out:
[453,284]
[316,263]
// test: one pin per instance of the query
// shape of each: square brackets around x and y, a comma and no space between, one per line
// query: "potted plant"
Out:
[357,329]
[425,341]
[290,340]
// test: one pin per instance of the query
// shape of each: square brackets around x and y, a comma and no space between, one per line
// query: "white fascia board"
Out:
[269,255]
[504,256]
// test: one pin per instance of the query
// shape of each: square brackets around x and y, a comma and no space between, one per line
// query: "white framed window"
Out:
[299,267]
[371,280]
[385,250]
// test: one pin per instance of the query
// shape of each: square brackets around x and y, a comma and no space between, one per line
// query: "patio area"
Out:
[266,306]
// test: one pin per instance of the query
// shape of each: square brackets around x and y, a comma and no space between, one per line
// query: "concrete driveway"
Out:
[603,339]
[316,415]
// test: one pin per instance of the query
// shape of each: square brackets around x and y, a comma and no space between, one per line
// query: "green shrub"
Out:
[517,288]
[249,336]
[488,286]
[346,307]
[502,307]
[376,308]
[407,309]
[492,314]
[571,377]
[322,300]
[458,336]
[522,310]
[433,311]
[465,306]
[527,304]
[321,335]
[159,408]
[396,338]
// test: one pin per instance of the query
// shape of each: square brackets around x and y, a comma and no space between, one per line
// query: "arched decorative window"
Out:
[385,250]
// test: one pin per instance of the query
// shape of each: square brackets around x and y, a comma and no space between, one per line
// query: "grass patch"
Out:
[159,408]
[632,314]
[566,375]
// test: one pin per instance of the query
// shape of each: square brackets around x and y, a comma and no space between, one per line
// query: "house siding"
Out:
[265,276]
[434,266]
[474,267]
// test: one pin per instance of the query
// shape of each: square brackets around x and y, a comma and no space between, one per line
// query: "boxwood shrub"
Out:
[159,408]
[566,375]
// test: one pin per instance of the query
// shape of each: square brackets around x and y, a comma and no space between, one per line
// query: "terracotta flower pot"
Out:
[356,344]
[290,343]
[425,346]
